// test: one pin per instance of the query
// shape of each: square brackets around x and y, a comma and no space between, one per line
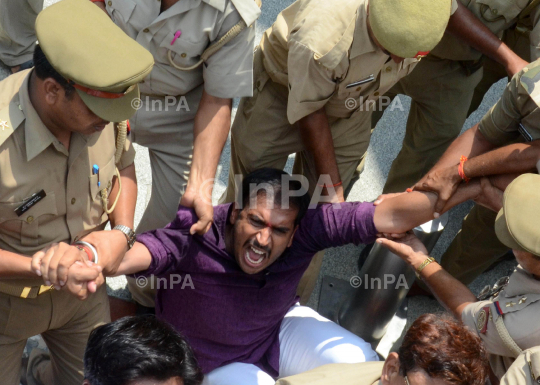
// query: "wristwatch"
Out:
[130,234]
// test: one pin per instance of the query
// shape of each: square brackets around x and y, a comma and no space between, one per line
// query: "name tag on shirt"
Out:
[523,131]
[27,204]
[369,79]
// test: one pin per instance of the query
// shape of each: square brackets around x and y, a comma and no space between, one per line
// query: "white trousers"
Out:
[307,340]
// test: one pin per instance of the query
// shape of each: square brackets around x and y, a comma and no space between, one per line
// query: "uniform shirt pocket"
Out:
[101,182]
[493,10]
[183,53]
[26,228]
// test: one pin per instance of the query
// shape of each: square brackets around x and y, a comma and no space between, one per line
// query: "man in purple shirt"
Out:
[231,292]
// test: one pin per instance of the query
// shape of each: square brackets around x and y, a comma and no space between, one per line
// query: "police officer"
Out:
[204,57]
[505,318]
[443,94]
[316,80]
[442,86]
[513,118]
[17,34]
[65,172]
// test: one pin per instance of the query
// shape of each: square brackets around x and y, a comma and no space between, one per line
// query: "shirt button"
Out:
[388,69]
[30,219]
[146,30]
[73,200]
[110,3]
[184,54]
[376,93]
[494,11]
[359,88]
[20,107]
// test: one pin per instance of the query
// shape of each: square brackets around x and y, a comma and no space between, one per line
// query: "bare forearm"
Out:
[514,158]
[464,25]
[450,293]
[317,139]
[14,265]
[406,211]
[470,144]
[210,131]
[137,259]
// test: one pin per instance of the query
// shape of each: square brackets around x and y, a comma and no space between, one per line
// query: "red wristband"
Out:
[461,172]
[87,251]
[331,185]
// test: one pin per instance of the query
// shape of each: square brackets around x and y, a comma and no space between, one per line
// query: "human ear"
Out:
[51,90]
[390,369]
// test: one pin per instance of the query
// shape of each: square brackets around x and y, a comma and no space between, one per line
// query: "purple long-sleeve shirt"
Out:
[231,316]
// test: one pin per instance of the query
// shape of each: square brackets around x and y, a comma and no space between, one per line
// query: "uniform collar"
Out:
[217,4]
[37,135]
[249,11]
[362,42]
[521,282]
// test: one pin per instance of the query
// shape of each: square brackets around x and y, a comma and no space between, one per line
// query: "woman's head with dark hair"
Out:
[269,207]
[437,350]
[139,350]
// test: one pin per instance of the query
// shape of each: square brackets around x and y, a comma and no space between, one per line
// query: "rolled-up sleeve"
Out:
[311,84]
[229,72]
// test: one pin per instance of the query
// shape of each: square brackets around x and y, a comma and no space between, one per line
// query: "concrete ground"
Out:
[386,141]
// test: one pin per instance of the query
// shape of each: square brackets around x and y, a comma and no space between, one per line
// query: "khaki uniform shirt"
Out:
[516,116]
[519,305]
[498,16]
[316,49]
[228,73]
[32,159]
[525,370]
[363,373]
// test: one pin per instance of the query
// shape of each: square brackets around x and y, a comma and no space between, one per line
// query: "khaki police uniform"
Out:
[305,62]
[17,33]
[443,85]
[73,198]
[167,131]
[363,373]
[525,370]
[507,321]
[476,247]
[31,160]
[171,94]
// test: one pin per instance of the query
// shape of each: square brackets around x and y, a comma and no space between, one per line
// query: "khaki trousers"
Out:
[165,126]
[441,93]
[63,321]
[261,136]
[17,32]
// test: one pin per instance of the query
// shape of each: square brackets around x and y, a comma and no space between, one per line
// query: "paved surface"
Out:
[342,262]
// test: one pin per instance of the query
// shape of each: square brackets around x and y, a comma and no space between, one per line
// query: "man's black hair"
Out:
[136,348]
[45,70]
[274,178]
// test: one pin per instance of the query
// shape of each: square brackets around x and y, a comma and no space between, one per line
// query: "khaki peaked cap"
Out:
[517,224]
[83,44]
[409,28]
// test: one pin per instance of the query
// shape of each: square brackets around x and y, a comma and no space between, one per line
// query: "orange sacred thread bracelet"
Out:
[461,172]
